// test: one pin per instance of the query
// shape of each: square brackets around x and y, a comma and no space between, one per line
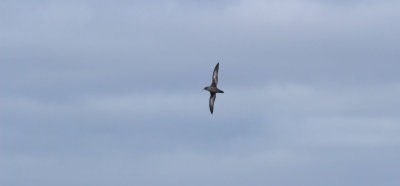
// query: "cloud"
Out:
[110,93]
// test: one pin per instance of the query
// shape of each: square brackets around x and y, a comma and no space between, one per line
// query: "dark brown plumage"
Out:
[213,88]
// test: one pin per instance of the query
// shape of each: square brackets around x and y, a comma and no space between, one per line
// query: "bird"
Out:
[213,88]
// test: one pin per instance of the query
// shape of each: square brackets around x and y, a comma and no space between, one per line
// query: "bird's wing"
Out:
[212,99]
[215,76]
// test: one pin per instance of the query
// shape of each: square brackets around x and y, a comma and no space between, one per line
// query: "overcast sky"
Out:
[110,92]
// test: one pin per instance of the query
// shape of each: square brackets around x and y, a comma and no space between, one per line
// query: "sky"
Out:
[110,92]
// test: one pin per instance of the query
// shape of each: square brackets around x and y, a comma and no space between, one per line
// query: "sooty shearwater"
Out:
[213,88]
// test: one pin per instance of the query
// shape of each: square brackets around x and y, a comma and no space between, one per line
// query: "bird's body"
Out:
[213,88]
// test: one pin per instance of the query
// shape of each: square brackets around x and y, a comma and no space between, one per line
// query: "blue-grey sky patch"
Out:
[110,93]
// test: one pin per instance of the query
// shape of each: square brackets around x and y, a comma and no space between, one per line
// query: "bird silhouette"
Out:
[213,88]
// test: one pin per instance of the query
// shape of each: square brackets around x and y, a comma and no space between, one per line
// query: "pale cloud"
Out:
[111,93]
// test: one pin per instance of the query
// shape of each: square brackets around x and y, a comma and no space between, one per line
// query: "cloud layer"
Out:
[101,93]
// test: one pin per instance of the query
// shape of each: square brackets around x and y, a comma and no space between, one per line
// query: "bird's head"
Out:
[205,88]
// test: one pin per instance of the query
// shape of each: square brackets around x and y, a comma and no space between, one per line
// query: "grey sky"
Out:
[110,93]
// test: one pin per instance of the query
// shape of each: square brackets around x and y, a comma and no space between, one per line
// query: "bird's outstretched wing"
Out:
[215,76]
[211,103]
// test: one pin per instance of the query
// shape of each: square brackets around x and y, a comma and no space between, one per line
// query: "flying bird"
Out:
[213,88]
